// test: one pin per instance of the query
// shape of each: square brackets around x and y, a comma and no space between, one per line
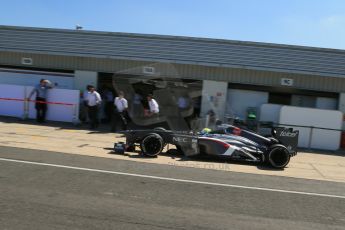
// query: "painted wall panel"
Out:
[12,108]
[321,139]
[270,112]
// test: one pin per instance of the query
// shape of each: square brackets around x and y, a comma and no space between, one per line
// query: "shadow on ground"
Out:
[103,128]
[181,160]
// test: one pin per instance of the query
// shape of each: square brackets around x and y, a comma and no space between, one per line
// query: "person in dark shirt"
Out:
[41,98]
[108,98]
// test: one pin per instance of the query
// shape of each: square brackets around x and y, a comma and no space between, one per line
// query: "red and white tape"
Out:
[34,101]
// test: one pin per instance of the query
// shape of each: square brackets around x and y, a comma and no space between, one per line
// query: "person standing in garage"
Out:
[93,101]
[153,106]
[84,116]
[108,98]
[121,112]
[41,99]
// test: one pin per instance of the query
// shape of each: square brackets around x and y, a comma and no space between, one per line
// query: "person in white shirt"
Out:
[153,106]
[93,100]
[84,116]
[86,94]
[121,114]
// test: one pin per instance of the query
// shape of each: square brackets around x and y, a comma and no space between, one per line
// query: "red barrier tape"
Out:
[41,102]
[10,99]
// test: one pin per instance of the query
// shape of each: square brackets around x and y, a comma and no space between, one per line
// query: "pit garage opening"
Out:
[179,99]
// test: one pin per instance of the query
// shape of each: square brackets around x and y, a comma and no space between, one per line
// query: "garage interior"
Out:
[167,92]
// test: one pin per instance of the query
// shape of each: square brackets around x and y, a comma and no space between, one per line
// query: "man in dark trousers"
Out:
[41,98]
[93,101]
[121,112]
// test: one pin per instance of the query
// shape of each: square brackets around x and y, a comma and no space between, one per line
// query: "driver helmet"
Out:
[206,131]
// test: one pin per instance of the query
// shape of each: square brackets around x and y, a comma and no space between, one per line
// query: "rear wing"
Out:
[288,137]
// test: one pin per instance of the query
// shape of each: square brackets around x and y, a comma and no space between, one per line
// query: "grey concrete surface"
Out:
[44,197]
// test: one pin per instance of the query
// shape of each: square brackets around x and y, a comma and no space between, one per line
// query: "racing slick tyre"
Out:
[159,129]
[278,156]
[152,145]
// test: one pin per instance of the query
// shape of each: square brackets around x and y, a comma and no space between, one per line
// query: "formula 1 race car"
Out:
[227,141]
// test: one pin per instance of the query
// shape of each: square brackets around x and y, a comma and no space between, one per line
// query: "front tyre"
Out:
[278,156]
[152,145]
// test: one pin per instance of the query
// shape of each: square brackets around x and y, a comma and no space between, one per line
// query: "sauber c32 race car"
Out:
[227,141]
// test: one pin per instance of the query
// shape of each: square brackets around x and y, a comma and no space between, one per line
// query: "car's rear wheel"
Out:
[152,145]
[159,129]
[278,156]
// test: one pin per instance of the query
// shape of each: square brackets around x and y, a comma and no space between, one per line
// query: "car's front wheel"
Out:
[152,145]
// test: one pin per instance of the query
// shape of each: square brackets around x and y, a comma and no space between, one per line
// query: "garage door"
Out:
[240,100]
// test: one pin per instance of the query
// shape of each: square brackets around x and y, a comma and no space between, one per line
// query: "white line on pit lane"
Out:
[174,179]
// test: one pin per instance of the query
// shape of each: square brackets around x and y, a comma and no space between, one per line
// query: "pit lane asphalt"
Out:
[46,197]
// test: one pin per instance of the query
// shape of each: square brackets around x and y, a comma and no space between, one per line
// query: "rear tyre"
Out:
[278,156]
[152,145]
[159,129]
